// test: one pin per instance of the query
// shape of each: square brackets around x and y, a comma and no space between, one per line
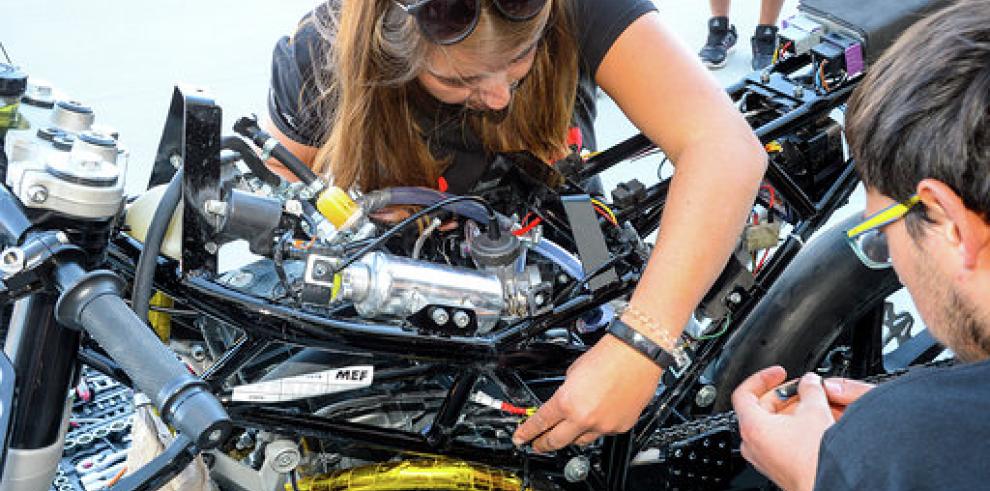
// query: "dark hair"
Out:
[923,110]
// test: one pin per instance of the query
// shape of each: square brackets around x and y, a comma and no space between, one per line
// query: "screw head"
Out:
[798,91]
[765,76]
[705,396]
[319,270]
[735,298]
[577,469]
[211,247]
[38,194]
[439,316]
[198,352]
[461,319]
[176,161]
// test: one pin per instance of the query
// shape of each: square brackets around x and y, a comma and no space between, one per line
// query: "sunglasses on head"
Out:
[450,21]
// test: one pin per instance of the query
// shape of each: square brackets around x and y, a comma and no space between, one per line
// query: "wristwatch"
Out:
[656,353]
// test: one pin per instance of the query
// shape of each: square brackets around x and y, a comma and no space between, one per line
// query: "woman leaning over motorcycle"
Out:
[380,93]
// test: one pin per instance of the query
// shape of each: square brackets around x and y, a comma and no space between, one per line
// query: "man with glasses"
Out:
[919,129]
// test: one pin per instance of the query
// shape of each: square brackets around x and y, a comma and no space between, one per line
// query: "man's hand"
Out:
[605,391]
[781,438]
[842,392]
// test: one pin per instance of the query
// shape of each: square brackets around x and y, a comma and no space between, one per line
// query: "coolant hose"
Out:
[570,264]
[252,159]
[144,273]
[376,200]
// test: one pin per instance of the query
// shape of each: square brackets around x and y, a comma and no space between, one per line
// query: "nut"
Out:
[37,194]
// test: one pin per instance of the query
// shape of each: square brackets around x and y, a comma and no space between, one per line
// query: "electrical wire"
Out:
[721,332]
[5,55]
[821,76]
[529,225]
[292,479]
[605,211]
[492,222]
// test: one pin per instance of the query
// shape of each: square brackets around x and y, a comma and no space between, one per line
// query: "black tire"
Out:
[825,293]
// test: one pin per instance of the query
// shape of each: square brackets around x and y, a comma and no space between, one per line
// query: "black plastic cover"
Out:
[13,82]
[879,22]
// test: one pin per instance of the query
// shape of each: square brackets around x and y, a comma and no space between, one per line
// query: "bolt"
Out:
[215,207]
[735,298]
[678,453]
[461,319]
[13,261]
[799,91]
[539,299]
[320,270]
[245,441]
[439,316]
[38,194]
[705,396]
[765,76]
[176,161]
[214,435]
[62,237]
[211,247]
[562,278]
[577,469]
[198,352]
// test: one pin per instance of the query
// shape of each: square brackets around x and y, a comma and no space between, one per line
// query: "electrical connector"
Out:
[799,35]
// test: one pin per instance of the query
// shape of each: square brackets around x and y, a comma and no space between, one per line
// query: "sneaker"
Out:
[764,43]
[721,39]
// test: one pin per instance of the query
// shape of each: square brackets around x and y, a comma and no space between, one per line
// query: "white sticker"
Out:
[308,385]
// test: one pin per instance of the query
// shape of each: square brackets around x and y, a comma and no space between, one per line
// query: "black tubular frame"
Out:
[265,322]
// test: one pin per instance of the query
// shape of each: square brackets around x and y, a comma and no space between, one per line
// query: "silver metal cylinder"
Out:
[384,285]
[72,116]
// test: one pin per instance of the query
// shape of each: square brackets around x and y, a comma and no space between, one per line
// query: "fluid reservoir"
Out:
[139,215]
[336,206]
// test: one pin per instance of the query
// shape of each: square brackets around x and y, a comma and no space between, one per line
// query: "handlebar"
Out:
[92,301]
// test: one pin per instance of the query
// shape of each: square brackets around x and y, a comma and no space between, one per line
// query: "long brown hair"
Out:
[370,92]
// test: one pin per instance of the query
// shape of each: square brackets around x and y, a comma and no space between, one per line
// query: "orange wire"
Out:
[529,226]
[821,75]
[117,477]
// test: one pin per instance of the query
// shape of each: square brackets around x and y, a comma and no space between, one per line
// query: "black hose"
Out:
[248,128]
[251,158]
[492,223]
[144,272]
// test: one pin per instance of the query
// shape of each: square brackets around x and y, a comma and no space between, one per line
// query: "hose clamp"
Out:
[267,148]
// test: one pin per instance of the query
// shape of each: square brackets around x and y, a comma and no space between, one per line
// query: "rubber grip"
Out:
[183,399]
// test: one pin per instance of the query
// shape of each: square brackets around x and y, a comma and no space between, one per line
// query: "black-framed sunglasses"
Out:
[450,21]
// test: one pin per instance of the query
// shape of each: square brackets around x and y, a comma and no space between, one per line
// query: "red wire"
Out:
[529,226]
[606,215]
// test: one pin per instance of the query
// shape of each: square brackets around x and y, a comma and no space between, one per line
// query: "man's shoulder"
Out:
[923,431]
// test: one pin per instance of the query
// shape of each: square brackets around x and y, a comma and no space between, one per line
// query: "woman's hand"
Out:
[604,393]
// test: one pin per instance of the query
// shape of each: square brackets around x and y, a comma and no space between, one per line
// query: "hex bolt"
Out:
[320,270]
[577,469]
[211,247]
[38,194]
[461,319]
[705,396]
[439,316]
[799,91]
[12,261]
[198,352]
[241,279]
[735,298]
[539,299]
[215,207]
[765,76]
[175,160]
[214,435]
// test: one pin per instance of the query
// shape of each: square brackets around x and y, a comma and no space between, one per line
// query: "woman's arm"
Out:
[664,90]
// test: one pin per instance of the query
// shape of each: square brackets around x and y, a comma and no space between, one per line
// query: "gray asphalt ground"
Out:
[124,58]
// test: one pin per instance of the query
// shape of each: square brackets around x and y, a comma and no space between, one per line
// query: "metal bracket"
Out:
[191,138]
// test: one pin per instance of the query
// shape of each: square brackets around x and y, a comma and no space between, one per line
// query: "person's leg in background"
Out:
[764,40]
[721,35]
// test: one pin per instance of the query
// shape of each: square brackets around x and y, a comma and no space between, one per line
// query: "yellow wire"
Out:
[607,210]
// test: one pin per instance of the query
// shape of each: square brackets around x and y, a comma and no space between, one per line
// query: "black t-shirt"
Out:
[923,431]
[598,23]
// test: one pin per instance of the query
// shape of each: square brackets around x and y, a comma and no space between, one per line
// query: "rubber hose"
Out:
[144,273]
[251,158]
